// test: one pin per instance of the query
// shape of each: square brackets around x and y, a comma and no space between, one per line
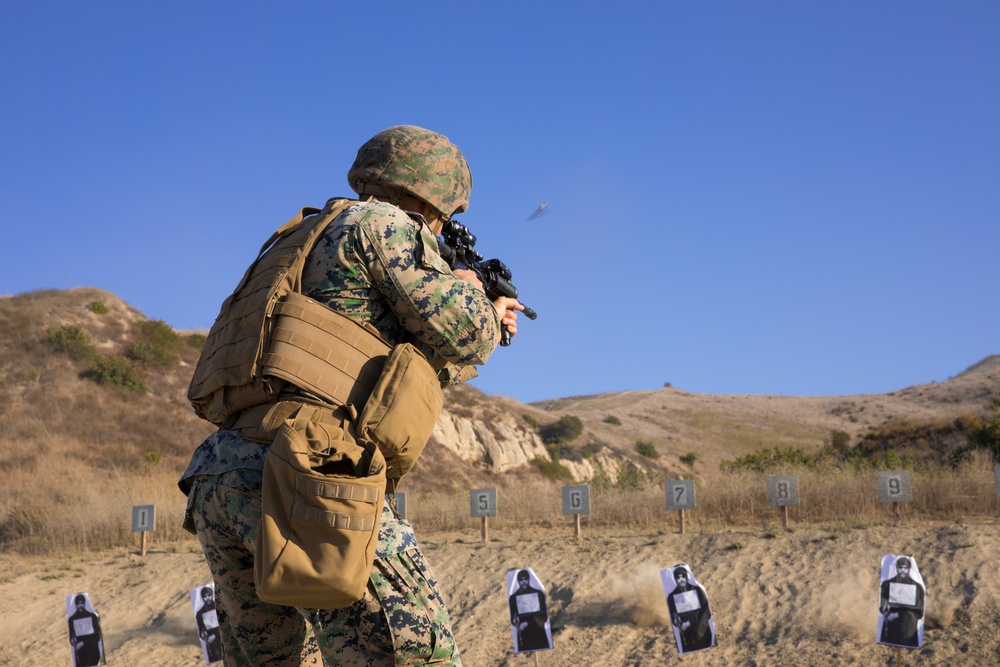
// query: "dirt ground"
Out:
[806,596]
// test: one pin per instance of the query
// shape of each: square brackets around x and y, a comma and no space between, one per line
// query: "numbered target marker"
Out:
[484,502]
[576,499]
[143,517]
[894,487]
[782,490]
[680,494]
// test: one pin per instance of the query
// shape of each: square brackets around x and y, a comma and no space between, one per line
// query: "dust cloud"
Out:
[639,594]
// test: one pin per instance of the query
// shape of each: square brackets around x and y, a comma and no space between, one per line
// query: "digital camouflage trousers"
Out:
[400,621]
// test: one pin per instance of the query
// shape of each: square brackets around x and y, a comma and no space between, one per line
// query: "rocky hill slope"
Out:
[46,394]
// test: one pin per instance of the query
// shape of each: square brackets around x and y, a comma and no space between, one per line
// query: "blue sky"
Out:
[796,198]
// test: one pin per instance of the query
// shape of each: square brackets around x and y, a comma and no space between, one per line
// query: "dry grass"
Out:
[738,500]
[75,456]
[68,510]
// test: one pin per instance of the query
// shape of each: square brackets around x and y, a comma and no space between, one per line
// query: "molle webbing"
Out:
[335,491]
[229,376]
[261,422]
[324,352]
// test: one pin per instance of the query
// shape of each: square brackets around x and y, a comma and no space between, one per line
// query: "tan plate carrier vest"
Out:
[268,335]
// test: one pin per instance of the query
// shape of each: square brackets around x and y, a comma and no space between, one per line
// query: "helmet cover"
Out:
[423,163]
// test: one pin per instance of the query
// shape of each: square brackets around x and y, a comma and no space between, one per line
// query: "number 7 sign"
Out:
[680,494]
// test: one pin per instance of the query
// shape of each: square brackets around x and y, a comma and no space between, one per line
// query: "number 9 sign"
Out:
[894,487]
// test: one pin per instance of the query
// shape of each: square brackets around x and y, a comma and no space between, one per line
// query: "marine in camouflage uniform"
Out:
[378,264]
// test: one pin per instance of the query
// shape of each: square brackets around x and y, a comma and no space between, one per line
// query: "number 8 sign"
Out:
[782,490]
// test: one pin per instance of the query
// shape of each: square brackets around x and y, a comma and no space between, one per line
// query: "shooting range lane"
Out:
[811,594]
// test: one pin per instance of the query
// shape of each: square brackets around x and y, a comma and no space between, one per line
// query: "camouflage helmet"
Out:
[414,160]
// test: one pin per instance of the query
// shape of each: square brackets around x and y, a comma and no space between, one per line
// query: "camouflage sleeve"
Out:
[455,319]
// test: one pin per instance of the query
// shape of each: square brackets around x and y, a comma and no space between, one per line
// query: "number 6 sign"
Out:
[576,499]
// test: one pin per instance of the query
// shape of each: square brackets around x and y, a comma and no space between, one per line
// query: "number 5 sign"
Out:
[483,502]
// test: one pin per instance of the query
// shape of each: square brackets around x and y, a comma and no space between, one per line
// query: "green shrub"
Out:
[689,458]
[565,429]
[72,340]
[552,470]
[158,345]
[647,449]
[839,442]
[981,436]
[767,459]
[196,340]
[97,307]
[588,451]
[152,457]
[530,420]
[117,371]
[611,419]
[631,478]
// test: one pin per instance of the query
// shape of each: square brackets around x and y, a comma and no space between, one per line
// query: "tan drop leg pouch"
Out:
[322,500]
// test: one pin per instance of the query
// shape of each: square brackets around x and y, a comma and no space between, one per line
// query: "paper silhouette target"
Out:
[690,614]
[901,603]
[529,612]
[85,638]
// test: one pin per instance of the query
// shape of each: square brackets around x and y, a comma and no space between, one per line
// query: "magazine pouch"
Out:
[322,500]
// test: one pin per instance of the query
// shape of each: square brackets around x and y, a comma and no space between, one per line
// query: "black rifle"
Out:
[456,248]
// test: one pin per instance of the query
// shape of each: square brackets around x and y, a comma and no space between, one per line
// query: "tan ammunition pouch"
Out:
[403,407]
[322,500]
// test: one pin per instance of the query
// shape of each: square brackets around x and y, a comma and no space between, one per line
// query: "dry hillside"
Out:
[55,418]
[75,455]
